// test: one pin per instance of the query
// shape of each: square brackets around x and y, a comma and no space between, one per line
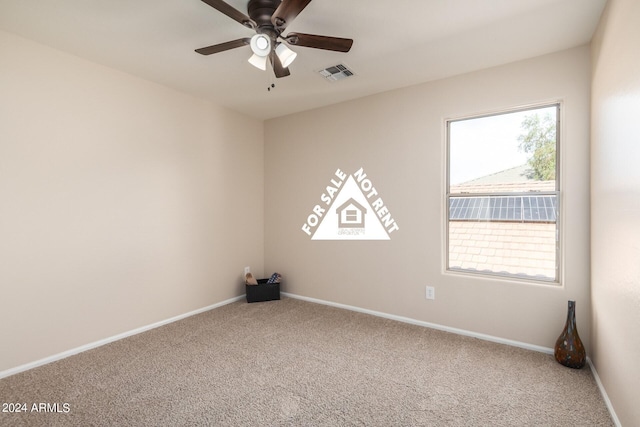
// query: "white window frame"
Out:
[557,193]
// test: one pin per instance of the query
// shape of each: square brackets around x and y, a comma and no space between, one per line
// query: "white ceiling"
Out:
[396,43]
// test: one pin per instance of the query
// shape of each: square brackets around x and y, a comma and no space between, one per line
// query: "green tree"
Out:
[539,140]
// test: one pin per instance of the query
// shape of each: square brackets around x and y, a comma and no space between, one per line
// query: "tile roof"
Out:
[518,248]
[517,179]
[506,187]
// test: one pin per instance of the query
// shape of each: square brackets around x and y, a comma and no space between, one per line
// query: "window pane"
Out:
[503,195]
[511,152]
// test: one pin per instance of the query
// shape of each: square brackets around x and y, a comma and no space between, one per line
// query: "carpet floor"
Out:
[295,363]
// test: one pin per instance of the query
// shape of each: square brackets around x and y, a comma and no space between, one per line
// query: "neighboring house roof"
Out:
[506,187]
[522,173]
[525,248]
[517,179]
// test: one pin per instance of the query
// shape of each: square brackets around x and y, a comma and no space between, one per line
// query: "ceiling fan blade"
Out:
[223,46]
[287,12]
[278,69]
[336,44]
[231,12]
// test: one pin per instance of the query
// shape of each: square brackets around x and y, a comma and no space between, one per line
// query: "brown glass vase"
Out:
[569,350]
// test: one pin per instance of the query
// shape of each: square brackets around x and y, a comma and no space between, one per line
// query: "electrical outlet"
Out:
[431,292]
[247,270]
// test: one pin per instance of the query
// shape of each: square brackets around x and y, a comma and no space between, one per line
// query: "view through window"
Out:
[503,194]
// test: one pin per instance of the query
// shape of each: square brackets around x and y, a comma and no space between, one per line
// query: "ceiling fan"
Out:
[269,18]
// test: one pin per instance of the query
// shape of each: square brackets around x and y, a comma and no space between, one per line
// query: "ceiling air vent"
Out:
[335,73]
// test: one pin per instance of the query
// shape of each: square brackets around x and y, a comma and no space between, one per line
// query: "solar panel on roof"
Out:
[504,208]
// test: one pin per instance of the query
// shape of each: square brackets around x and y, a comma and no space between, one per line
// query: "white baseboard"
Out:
[604,394]
[426,324]
[65,354]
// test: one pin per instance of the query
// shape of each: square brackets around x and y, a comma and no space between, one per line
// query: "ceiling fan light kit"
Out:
[261,45]
[258,61]
[285,54]
[269,18]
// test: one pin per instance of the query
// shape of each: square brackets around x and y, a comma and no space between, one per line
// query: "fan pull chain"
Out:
[270,84]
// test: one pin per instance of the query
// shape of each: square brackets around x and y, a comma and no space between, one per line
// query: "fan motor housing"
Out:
[260,11]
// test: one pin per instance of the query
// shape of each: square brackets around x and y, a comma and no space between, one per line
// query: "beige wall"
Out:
[615,206]
[122,203]
[398,138]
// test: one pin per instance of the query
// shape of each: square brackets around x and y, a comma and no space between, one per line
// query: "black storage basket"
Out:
[263,291]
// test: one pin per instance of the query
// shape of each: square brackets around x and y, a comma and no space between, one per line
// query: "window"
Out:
[502,195]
